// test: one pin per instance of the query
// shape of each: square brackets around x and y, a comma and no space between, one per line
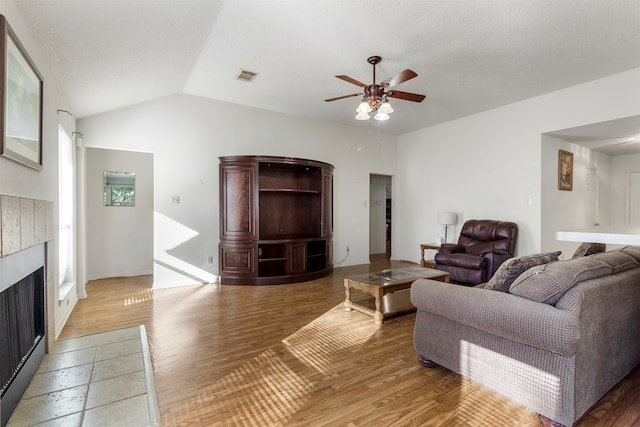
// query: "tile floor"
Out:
[97,380]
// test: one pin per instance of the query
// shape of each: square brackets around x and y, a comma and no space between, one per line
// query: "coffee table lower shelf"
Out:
[390,291]
[392,304]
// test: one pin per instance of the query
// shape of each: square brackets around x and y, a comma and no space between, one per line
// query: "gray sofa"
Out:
[555,338]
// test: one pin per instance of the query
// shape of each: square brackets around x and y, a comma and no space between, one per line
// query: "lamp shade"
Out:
[364,107]
[447,218]
[385,107]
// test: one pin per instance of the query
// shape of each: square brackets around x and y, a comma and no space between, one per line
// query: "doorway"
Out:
[380,216]
[119,236]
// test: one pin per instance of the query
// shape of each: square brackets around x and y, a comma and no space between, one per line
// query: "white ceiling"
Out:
[615,137]
[470,56]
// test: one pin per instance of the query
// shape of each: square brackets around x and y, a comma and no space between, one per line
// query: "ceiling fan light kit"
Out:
[385,107]
[381,116]
[374,98]
[364,107]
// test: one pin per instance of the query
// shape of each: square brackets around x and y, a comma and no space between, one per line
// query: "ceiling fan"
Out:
[374,97]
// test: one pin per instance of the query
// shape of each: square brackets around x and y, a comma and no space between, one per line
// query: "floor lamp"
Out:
[447,219]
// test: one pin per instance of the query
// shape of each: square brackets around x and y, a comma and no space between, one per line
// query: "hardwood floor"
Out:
[290,355]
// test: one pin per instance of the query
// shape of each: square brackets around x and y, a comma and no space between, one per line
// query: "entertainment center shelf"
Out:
[287,190]
[276,220]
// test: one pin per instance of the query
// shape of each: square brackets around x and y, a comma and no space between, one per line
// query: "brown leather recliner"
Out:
[482,246]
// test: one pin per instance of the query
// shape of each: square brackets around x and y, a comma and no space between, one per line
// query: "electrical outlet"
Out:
[210,260]
[175,200]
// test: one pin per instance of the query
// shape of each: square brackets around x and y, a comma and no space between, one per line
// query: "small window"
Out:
[119,188]
[122,196]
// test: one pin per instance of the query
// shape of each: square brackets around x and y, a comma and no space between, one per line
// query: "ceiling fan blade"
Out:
[342,97]
[406,96]
[353,81]
[402,76]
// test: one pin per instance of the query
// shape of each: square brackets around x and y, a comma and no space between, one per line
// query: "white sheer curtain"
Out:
[66,237]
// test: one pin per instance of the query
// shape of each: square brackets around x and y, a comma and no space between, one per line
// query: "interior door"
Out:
[377,215]
[592,196]
[633,198]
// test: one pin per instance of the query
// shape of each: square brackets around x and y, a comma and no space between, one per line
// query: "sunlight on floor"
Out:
[274,385]
[263,392]
[145,295]
[316,343]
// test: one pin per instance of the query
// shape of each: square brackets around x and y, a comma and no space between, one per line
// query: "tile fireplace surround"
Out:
[25,223]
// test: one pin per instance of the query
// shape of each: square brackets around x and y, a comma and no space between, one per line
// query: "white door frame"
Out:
[627,213]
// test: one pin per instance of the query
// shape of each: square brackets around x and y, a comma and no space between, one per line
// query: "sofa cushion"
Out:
[514,267]
[586,249]
[547,283]
[633,251]
[618,261]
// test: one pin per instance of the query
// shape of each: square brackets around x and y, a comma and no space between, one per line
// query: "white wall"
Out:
[488,165]
[18,180]
[187,134]
[566,210]
[622,165]
[119,238]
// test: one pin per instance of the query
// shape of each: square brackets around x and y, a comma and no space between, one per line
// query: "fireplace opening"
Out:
[21,324]
[22,327]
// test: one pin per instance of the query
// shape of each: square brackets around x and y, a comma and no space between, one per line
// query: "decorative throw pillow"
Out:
[618,261]
[586,249]
[514,267]
[547,283]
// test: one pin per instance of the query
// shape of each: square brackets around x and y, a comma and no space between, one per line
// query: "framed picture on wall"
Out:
[565,170]
[21,103]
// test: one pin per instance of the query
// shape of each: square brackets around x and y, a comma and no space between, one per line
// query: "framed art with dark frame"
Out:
[565,170]
[21,103]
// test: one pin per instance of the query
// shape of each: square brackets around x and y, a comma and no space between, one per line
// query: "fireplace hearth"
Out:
[22,324]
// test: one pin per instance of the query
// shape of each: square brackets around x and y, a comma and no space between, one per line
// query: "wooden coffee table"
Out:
[390,290]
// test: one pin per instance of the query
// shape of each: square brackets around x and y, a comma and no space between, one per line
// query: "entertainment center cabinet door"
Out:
[237,209]
[238,260]
[298,258]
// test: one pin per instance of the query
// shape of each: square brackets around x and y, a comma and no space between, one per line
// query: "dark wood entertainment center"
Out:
[276,220]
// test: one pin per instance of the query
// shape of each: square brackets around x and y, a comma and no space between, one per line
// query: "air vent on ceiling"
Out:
[246,76]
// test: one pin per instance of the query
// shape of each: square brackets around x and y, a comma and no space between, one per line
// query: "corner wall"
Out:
[489,165]
[621,166]
[566,210]
[187,134]
[21,181]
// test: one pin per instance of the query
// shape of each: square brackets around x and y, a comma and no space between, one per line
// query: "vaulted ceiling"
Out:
[470,56]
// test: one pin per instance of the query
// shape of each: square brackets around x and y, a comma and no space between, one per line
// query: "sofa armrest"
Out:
[452,248]
[506,315]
